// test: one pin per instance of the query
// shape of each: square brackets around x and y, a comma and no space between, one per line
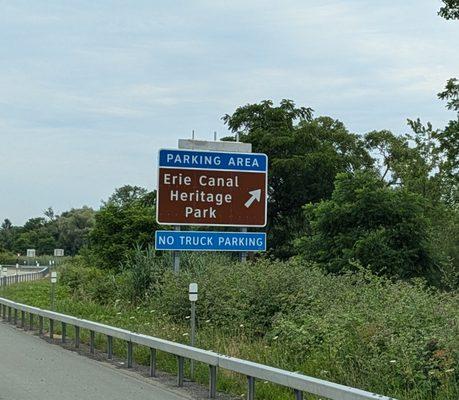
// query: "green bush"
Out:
[359,329]
[380,227]
[90,282]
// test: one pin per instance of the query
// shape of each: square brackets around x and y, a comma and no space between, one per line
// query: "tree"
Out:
[7,224]
[382,228]
[126,195]
[409,161]
[304,153]
[35,235]
[73,228]
[49,213]
[440,147]
[8,235]
[450,10]
[121,224]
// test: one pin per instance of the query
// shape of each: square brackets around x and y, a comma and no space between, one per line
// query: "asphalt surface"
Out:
[30,368]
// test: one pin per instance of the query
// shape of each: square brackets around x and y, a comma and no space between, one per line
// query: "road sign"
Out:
[212,188]
[31,253]
[210,241]
[58,252]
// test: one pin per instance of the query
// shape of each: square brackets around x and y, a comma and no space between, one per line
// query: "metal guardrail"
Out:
[253,371]
[27,277]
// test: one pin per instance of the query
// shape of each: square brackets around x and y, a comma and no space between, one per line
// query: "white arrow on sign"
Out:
[254,195]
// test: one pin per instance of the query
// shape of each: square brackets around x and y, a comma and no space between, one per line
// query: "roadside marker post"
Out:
[53,284]
[193,296]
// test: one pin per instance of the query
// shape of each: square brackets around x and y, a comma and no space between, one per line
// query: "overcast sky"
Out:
[90,90]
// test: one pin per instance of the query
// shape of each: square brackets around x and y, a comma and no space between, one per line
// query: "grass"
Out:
[396,339]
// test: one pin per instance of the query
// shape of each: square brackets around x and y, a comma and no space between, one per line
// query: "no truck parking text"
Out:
[210,241]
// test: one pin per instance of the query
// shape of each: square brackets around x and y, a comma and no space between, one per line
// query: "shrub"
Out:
[366,221]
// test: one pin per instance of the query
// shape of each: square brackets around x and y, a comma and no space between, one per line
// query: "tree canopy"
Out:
[366,221]
[304,154]
[125,221]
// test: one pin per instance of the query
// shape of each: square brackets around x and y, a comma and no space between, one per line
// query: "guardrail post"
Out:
[92,340]
[64,332]
[40,325]
[212,381]
[9,314]
[31,321]
[109,347]
[23,320]
[77,337]
[298,394]
[129,354]
[152,362]
[4,312]
[15,316]
[250,388]
[181,370]
[51,329]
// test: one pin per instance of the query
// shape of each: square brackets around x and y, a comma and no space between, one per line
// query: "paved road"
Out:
[20,271]
[32,368]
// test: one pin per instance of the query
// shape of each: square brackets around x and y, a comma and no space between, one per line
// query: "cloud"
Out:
[90,90]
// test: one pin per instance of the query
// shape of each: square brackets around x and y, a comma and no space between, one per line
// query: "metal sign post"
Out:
[177,256]
[193,296]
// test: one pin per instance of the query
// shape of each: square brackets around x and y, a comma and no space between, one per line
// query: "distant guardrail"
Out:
[27,277]
[297,382]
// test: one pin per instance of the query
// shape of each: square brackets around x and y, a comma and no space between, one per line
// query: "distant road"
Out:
[32,368]
[21,270]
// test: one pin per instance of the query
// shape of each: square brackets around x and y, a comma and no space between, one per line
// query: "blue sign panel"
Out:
[196,159]
[210,241]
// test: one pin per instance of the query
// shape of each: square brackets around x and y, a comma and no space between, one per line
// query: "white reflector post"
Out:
[193,292]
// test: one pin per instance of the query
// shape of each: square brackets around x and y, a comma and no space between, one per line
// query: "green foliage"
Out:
[125,221]
[73,229]
[305,154]
[126,195]
[144,273]
[90,283]
[358,329]
[6,257]
[366,221]
[68,231]
[450,10]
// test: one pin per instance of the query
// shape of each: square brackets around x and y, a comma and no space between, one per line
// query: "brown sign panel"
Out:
[205,196]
